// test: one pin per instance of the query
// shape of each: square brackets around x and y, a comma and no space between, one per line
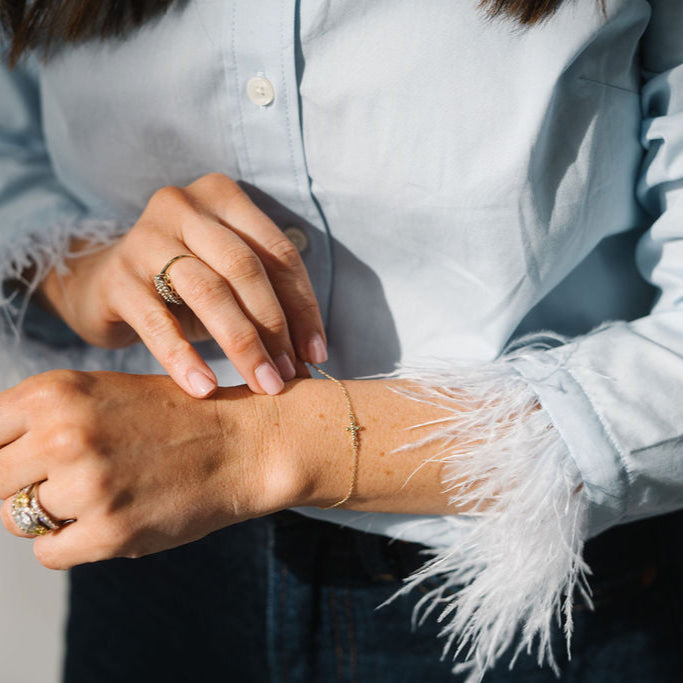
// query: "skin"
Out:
[139,462]
[143,467]
[248,289]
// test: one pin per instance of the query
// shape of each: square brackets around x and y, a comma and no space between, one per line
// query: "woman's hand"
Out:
[142,467]
[138,464]
[248,289]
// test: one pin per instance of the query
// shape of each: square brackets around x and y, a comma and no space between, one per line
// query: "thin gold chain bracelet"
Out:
[353,430]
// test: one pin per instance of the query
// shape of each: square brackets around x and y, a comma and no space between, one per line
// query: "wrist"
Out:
[319,456]
[49,294]
[260,438]
[314,454]
[59,292]
[296,451]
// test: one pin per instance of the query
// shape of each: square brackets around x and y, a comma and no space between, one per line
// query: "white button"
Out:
[260,91]
[297,237]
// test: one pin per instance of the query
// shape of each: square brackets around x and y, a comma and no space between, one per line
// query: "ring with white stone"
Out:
[29,515]
[163,283]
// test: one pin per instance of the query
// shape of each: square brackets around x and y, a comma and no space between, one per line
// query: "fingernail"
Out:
[285,366]
[200,384]
[268,378]
[317,352]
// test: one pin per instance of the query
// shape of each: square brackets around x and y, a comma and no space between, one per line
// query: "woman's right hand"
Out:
[248,289]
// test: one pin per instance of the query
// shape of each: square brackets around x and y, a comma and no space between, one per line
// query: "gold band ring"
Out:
[164,285]
[29,515]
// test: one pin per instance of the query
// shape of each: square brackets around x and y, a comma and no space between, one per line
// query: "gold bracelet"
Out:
[353,430]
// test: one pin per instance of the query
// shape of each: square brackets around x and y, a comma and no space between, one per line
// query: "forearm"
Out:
[311,432]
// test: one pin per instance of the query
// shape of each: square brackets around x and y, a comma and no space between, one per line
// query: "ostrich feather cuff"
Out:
[521,561]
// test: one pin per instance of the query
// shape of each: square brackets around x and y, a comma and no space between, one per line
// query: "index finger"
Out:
[283,263]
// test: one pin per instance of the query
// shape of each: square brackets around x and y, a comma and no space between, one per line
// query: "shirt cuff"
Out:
[501,587]
[39,344]
[587,437]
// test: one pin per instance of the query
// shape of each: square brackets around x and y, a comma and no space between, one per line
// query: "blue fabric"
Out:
[291,599]
[447,169]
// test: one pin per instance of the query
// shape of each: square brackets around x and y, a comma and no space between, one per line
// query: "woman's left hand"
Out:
[138,464]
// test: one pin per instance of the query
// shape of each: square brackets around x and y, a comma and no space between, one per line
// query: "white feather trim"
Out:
[518,568]
[39,251]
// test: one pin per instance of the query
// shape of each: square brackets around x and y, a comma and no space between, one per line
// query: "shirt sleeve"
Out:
[38,220]
[613,394]
[606,446]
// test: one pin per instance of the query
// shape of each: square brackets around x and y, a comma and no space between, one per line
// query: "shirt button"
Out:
[297,237]
[260,91]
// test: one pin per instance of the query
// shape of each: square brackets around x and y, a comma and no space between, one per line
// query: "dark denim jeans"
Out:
[288,599]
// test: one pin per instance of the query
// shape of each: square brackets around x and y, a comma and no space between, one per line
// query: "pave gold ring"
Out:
[164,285]
[28,513]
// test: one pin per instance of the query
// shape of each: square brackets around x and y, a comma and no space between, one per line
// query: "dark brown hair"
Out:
[45,22]
[524,11]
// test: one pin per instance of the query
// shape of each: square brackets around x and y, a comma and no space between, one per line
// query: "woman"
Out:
[436,172]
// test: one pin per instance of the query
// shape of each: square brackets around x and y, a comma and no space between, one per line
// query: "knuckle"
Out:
[28,388]
[117,540]
[43,555]
[157,322]
[242,342]
[274,323]
[177,354]
[70,441]
[304,308]
[224,187]
[131,552]
[48,557]
[217,182]
[168,198]
[206,291]
[285,255]
[64,376]
[122,537]
[243,264]
[55,385]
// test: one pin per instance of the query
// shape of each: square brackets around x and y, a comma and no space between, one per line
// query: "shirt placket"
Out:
[262,88]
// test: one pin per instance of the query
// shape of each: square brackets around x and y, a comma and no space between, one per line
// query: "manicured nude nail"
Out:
[317,353]
[268,378]
[285,366]
[200,384]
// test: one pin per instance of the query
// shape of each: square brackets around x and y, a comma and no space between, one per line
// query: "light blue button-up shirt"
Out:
[459,180]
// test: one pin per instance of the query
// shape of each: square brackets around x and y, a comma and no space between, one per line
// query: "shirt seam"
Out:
[238,93]
[288,120]
[611,439]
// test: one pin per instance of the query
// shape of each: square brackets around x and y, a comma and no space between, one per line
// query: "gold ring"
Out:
[164,285]
[29,515]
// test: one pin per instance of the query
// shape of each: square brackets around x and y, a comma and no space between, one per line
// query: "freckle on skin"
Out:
[388,472]
[321,416]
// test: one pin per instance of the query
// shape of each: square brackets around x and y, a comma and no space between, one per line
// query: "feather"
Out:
[38,252]
[518,567]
